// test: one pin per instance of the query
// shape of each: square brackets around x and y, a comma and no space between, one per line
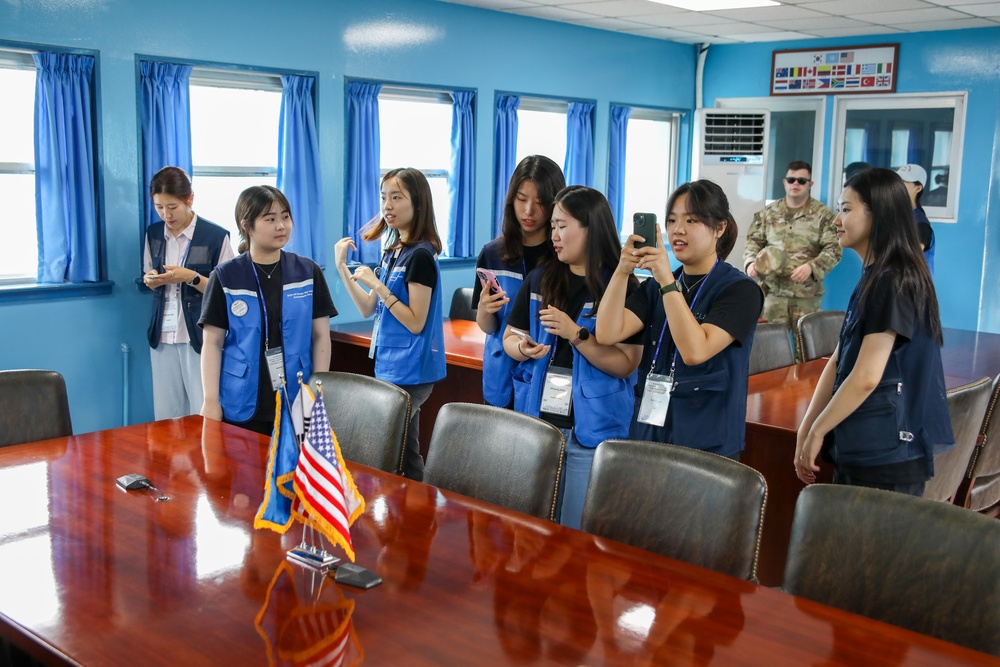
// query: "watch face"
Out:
[583,334]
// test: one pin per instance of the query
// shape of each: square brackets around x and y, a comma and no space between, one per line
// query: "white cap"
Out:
[913,173]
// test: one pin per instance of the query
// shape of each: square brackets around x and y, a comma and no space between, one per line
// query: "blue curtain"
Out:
[363,174]
[460,187]
[505,152]
[298,167]
[65,194]
[166,124]
[579,163]
[616,161]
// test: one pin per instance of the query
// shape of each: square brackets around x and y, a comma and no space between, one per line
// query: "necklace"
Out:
[266,274]
[688,288]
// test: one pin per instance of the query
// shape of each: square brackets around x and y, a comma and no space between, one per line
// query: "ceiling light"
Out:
[715,5]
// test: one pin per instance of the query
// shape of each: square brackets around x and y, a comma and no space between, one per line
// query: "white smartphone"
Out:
[523,335]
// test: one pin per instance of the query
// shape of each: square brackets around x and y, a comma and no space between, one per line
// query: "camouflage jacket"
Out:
[809,237]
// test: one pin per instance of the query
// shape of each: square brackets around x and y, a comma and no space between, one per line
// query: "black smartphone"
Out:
[644,224]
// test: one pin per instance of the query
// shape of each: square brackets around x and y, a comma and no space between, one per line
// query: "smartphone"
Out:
[489,280]
[523,335]
[644,224]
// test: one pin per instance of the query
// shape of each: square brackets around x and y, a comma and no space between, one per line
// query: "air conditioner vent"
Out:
[734,134]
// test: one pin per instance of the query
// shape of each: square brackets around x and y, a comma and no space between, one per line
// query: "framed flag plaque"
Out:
[841,71]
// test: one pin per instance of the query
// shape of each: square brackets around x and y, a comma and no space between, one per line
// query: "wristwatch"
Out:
[581,335]
[195,280]
[672,287]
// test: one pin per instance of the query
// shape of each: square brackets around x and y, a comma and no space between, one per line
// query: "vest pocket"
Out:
[872,429]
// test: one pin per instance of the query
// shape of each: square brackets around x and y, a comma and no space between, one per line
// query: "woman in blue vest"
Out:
[882,394]
[523,244]
[178,255]
[267,314]
[914,176]
[404,294]
[564,375]
[699,323]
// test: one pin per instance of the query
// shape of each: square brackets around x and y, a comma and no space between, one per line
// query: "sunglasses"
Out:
[800,181]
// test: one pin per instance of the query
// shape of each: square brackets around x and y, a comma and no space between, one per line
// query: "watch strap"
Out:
[672,287]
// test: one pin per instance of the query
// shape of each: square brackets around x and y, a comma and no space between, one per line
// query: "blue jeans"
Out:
[575,478]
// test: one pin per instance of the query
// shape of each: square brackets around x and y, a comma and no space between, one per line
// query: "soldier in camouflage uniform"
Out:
[794,244]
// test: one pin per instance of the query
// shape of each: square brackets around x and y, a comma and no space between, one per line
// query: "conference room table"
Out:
[96,575]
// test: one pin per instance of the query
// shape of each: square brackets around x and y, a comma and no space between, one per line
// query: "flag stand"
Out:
[309,553]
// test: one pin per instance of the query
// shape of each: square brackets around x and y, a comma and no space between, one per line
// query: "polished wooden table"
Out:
[463,345]
[93,575]
[777,402]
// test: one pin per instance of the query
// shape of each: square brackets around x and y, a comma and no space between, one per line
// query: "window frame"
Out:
[20,60]
[673,118]
[956,100]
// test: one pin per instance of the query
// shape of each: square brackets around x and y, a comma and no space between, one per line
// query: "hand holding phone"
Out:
[489,281]
[644,225]
[523,335]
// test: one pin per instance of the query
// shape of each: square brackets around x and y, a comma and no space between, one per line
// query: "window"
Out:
[234,139]
[892,130]
[541,129]
[415,131]
[19,252]
[650,163]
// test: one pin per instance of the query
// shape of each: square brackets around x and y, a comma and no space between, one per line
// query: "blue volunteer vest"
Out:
[206,244]
[708,405]
[498,367]
[602,403]
[241,350]
[401,357]
[906,416]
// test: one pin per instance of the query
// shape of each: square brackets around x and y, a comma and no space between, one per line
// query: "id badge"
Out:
[275,366]
[655,399]
[171,314]
[371,345]
[557,393]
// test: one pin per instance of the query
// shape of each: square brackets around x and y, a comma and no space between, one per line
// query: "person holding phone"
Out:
[882,393]
[404,294]
[565,375]
[266,315]
[178,255]
[523,244]
[698,324]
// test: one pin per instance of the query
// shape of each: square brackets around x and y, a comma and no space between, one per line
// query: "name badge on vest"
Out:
[656,399]
[557,393]
[371,346]
[275,366]
[171,313]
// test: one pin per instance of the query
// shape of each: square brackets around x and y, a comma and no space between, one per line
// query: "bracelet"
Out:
[389,306]
[386,297]
[520,350]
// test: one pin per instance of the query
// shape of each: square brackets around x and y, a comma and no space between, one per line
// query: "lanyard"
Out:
[659,342]
[263,304]
[385,269]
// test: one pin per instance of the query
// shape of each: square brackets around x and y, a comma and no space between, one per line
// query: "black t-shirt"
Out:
[215,312]
[531,256]
[577,296]
[421,269]
[882,310]
[735,311]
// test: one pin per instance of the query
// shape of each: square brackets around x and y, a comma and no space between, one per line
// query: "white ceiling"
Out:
[792,19]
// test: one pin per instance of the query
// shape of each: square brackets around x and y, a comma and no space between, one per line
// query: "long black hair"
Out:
[549,180]
[893,245]
[423,227]
[603,247]
[707,201]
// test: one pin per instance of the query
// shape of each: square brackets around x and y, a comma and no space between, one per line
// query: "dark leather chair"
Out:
[817,334]
[926,566]
[982,485]
[498,456]
[967,405]
[33,406]
[772,348]
[680,502]
[369,416]
[461,305]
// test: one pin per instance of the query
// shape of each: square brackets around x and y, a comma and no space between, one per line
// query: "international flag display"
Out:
[275,511]
[859,69]
[324,485]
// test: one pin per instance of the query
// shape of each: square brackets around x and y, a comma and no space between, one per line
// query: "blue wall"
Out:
[411,41]
[967,258]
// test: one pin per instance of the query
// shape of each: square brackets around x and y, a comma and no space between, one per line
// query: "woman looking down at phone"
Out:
[404,294]
[698,324]
[523,244]
[565,376]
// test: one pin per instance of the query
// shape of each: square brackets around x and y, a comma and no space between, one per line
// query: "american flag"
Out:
[323,484]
